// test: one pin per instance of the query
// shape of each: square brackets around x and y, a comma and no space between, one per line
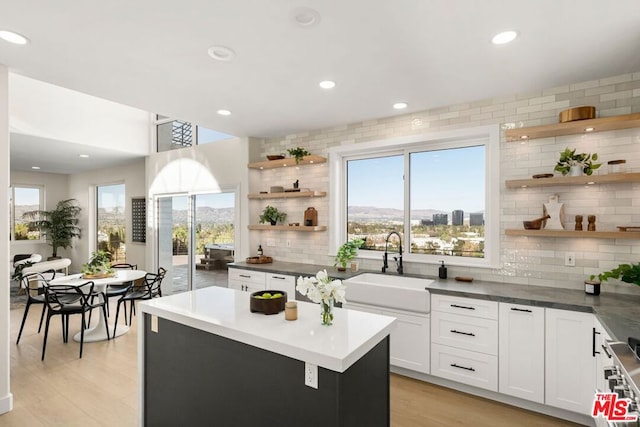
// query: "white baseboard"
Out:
[6,403]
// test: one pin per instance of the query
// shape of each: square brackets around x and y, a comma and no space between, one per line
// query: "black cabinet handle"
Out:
[593,342]
[453,365]
[462,306]
[521,309]
[277,277]
[471,334]
[606,351]
[245,275]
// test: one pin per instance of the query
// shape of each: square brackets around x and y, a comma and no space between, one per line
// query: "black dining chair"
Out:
[120,288]
[33,285]
[150,288]
[65,300]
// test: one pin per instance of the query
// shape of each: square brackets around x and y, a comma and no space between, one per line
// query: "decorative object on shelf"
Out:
[276,189]
[296,184]
[542,175]
[627,228]
[617,166]
[467,279]
[592,287]
[323,290]
[347,252]
[576,164]
[628,273]
[555,210]
[59,226]
[298,153]
[267,302]
[272,215]
[311,217]
[98,267]
[535,224]
[294,224]
[260,251]
[577,113]
[578,223]
[275,157]
[591,223]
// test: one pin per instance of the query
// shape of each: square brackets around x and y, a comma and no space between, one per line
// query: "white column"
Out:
[6,399]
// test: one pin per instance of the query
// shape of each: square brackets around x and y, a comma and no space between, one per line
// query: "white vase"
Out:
[575,170]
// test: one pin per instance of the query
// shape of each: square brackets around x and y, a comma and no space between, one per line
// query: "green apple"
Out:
[278,295]
[266,295]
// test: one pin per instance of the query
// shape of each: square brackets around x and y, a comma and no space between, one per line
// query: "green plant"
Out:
[569,158]
[59,226]
[298,153]
[272,215]
[628,273]
[99,263]
[347,252]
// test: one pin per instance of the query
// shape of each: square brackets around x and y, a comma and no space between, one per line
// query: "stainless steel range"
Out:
[619,403]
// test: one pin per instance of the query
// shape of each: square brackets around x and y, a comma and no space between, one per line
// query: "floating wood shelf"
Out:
[577,127]
[281,163]
[289,195]
[571,233]
[290,227]
[574,180]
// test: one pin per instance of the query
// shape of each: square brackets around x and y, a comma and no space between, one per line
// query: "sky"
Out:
[217,200]
[443,179]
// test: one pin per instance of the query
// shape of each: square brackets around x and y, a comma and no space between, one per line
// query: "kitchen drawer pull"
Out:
[453,365]
[471,334]
[606,351]
[593,348]
[462,306]
[278,277]
[521,309]
[245,275]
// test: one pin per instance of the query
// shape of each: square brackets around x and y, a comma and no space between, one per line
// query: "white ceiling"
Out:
[152,55]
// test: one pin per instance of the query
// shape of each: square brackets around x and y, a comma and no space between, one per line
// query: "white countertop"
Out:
[225,312]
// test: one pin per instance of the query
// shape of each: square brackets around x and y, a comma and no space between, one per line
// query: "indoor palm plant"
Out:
[347,252]
[576,163]
[272,215]
[58,226]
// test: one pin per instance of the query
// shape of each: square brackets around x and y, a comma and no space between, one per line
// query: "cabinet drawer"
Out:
[476,369]
[468,333]
[466,306]
[282,282]
[247,276]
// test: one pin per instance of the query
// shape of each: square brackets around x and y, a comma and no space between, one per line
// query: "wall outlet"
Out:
[288,243]
[271,242]
[154,324]
[311,375]
[570,259]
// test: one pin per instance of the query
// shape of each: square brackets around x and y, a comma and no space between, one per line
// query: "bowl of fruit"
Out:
[268,302]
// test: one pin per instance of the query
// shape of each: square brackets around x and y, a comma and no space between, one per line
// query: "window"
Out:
[111,223]
[173,134]
[436,191]
[24,199]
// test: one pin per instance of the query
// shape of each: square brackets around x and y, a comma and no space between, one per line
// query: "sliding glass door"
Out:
[196,240]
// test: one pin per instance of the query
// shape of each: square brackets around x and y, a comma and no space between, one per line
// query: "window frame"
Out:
[489,136]
[196,142]
[12,211]
[96,207]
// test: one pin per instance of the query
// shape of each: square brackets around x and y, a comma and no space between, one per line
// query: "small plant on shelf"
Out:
[298,153]
[347,252]
[628,273]
[570,159]
[272,215]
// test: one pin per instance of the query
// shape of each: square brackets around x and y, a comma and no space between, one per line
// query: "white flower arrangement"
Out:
[321,289]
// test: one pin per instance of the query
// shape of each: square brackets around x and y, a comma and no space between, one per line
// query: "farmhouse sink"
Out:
[405,293]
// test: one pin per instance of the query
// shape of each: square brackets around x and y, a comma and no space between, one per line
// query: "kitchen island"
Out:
[205,359]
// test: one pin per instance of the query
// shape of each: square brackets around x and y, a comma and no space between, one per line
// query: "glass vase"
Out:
[327,312]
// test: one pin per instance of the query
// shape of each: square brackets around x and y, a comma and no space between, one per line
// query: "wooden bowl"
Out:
[577,113]
[534,224]
[275,157]
[267,306]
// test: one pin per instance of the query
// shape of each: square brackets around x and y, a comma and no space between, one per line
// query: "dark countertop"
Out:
[618,313]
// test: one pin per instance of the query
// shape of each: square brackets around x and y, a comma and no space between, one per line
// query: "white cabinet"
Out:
[464,340]
[570,360]
[409,340]
[246,280]
[282,282]
[521,354]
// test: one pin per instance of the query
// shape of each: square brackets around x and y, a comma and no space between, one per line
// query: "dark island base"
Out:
[196,378]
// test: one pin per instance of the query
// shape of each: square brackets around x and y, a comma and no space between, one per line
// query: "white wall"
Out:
[56,188]
[49,111]
[82,187]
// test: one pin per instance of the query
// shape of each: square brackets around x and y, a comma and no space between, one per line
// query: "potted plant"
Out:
[576,164]
[58,226]
[347,252]
[99,265]
[628,273]
[272,215]
[298,153]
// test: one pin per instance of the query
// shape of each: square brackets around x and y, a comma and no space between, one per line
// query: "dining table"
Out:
[98,332]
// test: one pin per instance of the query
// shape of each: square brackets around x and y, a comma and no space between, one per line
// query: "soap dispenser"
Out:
[442,271]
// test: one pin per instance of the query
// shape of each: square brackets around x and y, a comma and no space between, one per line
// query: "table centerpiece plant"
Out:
[323,290]
[99,266]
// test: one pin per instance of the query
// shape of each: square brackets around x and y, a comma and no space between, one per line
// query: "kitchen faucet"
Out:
[397,259]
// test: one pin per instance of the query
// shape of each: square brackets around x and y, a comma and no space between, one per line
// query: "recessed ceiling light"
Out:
[327,84]
[221,53]
[400,105]
[12,37]
[504,37]
[224,112]
[306,17]
[35,167]
[84,156]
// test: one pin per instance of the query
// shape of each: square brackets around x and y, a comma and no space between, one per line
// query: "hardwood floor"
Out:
[100,389]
